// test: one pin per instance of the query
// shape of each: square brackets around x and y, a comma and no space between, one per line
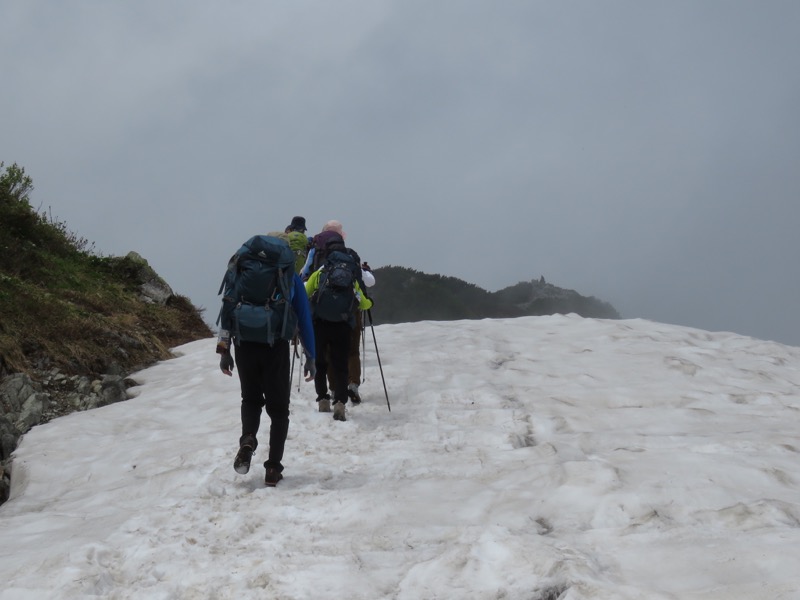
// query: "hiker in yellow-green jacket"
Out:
[335,296]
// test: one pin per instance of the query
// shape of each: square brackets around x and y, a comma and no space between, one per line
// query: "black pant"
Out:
[264,377]
[333,344]
[354,356]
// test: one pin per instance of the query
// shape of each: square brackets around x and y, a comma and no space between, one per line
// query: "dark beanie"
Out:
[298,224]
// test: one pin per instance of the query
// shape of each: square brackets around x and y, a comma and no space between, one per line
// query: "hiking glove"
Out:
[226,363]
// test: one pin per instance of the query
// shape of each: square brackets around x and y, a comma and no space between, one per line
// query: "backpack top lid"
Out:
[323,239]
[338,255]
[323,243]
[340,258]
[268,249]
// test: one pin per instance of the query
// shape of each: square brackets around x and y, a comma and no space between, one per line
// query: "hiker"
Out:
[330,236]
[354,356]
[336,296]
[295,236]
[297,224]
[264,303]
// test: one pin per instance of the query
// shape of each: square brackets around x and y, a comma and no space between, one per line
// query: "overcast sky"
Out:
[644,152]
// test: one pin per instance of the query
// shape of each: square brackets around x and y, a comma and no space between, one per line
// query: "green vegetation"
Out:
[63,306]
[404,295]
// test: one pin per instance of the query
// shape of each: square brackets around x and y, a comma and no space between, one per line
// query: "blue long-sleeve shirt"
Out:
[303,311]
[305,272]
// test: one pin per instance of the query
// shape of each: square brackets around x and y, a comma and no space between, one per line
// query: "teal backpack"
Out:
[257,288]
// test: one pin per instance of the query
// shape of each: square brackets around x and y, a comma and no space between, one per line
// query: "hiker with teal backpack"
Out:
[335,296]
[295,236]
[264,302]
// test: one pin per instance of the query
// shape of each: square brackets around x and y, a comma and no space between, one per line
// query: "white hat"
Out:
[334,225]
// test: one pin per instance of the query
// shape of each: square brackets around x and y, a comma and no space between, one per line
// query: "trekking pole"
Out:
[300,367]
[299,371]
[363,350]
[378,354]
[291,371]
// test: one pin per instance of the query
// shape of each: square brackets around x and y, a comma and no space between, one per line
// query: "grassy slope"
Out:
[62,306]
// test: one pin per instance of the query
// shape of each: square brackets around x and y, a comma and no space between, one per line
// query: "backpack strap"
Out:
[225,279]
[286,299]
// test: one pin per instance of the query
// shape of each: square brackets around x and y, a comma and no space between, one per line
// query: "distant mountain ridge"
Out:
[404,295]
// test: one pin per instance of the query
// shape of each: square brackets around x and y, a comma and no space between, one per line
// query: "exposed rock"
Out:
[32,410]
[8,437]
[14,391]
[26,402]
[153,288]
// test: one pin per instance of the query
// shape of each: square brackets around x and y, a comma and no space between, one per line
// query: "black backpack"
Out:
[335,298]
[330,241]
[256,305]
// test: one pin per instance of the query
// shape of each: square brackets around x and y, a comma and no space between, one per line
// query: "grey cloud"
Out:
[643,152]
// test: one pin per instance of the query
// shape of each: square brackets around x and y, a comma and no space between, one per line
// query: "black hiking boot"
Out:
[272,477]
[352,393]
[241,464]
